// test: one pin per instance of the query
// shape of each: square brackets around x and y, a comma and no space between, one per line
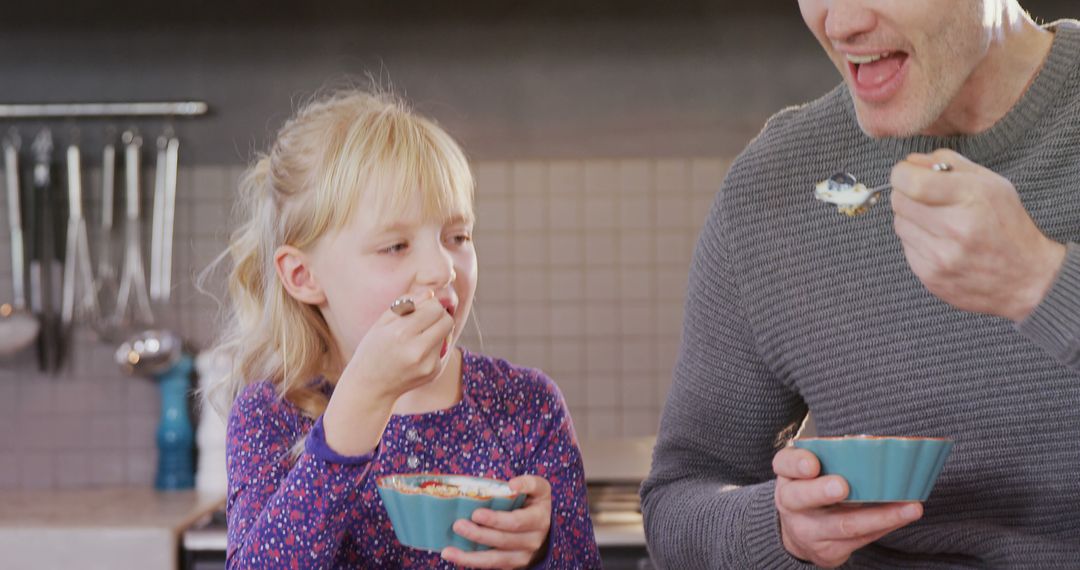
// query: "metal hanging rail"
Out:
[64,110]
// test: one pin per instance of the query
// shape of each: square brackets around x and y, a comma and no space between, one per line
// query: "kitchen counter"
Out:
[113,528]
[614,469]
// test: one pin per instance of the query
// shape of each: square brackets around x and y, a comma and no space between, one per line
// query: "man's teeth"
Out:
[861,59]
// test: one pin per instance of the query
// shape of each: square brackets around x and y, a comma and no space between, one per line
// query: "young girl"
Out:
[361,203]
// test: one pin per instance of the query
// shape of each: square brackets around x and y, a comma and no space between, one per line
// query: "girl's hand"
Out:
[400,353]
[518,538]
[397,354]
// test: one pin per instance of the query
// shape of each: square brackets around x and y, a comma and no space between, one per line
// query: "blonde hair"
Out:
[335,151]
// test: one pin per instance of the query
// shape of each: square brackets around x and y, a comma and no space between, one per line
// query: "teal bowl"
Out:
[881,469]
[423,506]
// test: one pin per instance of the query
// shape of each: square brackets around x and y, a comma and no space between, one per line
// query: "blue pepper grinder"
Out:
[175,436]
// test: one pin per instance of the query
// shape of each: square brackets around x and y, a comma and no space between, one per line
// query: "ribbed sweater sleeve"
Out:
[1055,323]
[708,502]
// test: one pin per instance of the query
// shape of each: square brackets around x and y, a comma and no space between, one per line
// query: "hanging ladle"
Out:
[18,326]
[132,302]
[149,353]
[153,351]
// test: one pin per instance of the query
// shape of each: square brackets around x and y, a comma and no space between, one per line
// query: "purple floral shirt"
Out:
[323,510]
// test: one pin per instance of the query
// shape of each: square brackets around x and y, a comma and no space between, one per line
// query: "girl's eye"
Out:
[396,248]
[460,239]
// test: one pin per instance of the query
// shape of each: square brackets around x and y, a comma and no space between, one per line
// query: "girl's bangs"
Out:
[409,166]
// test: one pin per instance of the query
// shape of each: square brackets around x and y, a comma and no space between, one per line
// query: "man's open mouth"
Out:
[872,71]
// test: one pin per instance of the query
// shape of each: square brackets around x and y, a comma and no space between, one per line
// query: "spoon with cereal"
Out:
[852,197]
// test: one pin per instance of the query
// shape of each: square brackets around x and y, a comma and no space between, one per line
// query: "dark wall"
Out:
[509,79]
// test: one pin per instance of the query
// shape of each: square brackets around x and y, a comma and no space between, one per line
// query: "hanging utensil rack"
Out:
[161,261]
[83,110]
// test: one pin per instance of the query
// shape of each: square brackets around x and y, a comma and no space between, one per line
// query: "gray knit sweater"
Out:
[792,306]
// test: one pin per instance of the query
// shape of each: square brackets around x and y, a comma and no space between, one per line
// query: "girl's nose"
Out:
[436,270]
[847,19]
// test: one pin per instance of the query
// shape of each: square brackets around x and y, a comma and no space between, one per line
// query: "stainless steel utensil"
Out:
[132,302]
[158,222]
[172,164]
[45,269]
[164,214]
[149,352]
[18,326]
[105,280]
[80,296]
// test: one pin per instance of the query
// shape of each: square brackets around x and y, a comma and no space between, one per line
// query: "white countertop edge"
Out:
[606,535]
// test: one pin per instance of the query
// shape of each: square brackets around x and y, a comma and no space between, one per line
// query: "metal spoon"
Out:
[18,326]
[852,198]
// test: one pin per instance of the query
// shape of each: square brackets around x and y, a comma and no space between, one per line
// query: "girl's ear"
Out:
[294,272]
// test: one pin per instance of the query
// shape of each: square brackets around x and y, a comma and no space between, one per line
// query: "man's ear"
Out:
[294,272]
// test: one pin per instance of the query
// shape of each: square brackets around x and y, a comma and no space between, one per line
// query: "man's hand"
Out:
[814,527]
[969,239]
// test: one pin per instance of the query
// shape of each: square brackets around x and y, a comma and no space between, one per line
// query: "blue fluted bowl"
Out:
[881,469]
[425,520]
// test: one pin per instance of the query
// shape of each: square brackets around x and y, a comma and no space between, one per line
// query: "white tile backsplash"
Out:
[493,213]
[636,212]
[530,285]
[601,249]
[566,178]
[602,177]
[530,212]
[566,284]
[530,249]
[636,176]
[528,179]
[637,249]
[495,284]
[565,212]
[602,390]
[601,211]
[492,179]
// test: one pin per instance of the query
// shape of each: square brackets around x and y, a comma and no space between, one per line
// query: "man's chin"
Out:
[877,124]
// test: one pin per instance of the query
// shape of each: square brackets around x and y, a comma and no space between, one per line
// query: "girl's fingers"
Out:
[487,558]
[433,336]
[499,539]
[428,312]
[532,518]
[535,487]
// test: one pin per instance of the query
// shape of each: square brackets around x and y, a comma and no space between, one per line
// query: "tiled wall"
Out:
[582,273]
[583,268]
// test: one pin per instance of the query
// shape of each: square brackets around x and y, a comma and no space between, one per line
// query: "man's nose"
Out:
[847,19]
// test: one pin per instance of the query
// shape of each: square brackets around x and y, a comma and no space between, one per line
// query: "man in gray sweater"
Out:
[951,309]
